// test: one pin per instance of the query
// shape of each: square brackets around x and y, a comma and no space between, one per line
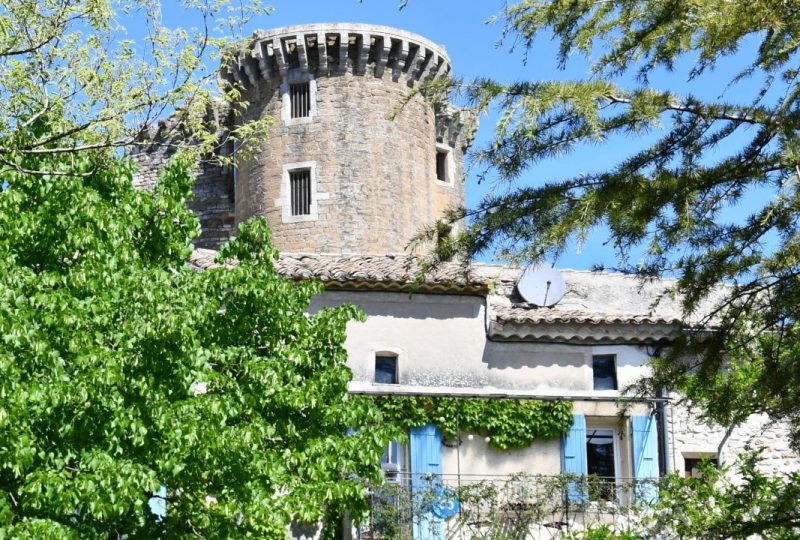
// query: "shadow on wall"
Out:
[533,355]
[403,305]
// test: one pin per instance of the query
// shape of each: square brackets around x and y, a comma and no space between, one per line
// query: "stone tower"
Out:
[347,167]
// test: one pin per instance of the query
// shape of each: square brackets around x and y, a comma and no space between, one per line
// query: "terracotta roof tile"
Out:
[592,298]
[530,314]
[365,271]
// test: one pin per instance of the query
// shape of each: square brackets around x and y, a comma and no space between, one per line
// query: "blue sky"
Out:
[475,51]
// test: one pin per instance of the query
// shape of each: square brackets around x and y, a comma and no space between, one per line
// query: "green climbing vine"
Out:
[507,423]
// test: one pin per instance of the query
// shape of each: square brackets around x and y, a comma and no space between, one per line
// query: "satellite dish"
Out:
[541,285]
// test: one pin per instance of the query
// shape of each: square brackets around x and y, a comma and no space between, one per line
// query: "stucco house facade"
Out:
[345,178]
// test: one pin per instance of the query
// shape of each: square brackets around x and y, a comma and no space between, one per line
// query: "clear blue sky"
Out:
[474,49]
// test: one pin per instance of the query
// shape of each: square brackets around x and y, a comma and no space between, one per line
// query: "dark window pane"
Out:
[604,371]
[600,452]
[300,192]
[300,100]
[441,166]
[600,463]
[692,466]
[386,369]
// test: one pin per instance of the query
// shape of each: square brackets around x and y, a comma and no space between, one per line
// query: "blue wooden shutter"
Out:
[573,456]
[426,470]
[645,457]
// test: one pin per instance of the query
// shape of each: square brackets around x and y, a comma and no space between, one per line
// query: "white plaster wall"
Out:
[475,459]
[441,340]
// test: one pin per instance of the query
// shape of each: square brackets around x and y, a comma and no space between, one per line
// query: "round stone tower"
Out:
[351,164]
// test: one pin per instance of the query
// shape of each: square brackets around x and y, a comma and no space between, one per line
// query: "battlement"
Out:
[338,48]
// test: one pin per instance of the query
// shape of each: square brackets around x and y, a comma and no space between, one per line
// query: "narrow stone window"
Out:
[445,165]
[441,166]
[300,192]
[386,369]
[604,372]
[300,100]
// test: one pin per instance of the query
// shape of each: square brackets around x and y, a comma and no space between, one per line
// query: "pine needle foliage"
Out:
[672,195]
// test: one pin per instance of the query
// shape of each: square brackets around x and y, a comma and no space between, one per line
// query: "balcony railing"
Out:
[491,507]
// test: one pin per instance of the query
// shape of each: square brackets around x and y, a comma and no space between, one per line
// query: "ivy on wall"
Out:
[509,424]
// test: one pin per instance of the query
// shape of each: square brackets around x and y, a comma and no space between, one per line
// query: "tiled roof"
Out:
[384,272]
[598,307]
[593,297]
[531,314]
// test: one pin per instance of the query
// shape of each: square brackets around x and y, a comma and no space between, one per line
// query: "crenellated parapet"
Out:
[331,49]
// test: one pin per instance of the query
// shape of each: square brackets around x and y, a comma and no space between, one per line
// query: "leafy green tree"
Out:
[669,197]
[122,369]
[105,72]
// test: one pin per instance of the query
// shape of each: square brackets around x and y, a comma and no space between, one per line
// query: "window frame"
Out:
[618,477]
[450,165]
[294,78]
[284,202]
[394,356]
[697,457]
[615,374]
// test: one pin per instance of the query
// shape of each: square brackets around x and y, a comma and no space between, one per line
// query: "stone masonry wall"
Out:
[376,184]
[691,438]
[375,177]
[213,193]
[379,175]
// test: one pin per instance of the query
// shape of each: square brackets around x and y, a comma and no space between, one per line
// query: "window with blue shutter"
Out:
[645,458]
[425,443]
[573,457]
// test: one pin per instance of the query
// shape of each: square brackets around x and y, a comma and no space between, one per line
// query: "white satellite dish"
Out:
[541,285]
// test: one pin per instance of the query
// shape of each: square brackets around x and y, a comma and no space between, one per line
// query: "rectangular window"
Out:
[386,369]
[393,461]
[441,167]
[604,372]
[692,469]
[300,192]
[300,100]
[600,463]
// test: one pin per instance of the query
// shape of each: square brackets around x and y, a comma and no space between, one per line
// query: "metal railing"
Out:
[499,507]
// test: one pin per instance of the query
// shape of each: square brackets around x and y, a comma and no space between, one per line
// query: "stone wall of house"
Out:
[691,438]
[213,191]
[374,177]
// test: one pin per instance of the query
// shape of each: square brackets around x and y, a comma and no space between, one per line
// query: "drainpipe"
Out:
[663,433]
